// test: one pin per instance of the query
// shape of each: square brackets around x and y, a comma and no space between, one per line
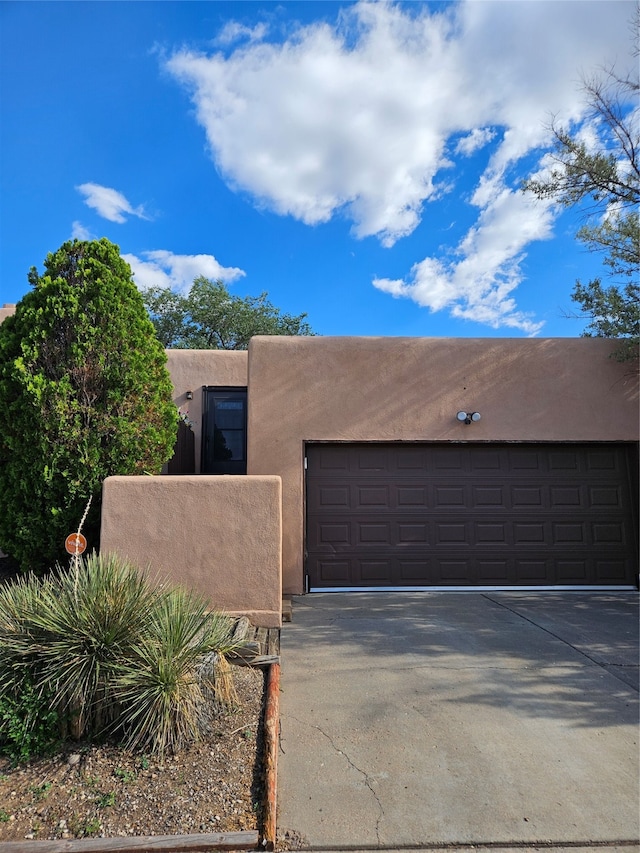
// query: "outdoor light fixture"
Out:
[468,417]
[189,395]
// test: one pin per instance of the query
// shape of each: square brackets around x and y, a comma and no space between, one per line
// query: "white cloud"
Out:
[164,269]
[478,138]
[80,232]
[359,119]
[109,203]
[477,283]
[234,31]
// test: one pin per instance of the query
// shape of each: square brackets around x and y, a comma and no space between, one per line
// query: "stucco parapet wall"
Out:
[207,367]
[409,389]
[7,310]
[218,535]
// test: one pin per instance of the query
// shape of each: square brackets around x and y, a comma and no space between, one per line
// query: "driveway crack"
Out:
[350,762]
[600,663]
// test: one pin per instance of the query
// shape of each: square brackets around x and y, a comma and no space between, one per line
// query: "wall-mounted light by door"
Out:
[189,395]
[468,417]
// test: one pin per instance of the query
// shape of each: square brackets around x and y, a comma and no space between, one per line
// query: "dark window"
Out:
[224,434]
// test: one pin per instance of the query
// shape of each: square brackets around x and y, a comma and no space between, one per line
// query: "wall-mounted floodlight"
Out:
[468,417]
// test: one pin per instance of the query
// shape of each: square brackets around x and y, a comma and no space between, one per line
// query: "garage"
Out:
[407,515]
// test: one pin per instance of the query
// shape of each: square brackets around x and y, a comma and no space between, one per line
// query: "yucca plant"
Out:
[166,687]
[115,652]
[19,602]
[91,617]
[29,723]
[72,630]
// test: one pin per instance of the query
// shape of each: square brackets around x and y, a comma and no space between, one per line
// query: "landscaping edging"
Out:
[135,844]
[271,734]
[245,840]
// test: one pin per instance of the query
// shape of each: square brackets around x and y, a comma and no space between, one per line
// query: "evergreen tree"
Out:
[84,394]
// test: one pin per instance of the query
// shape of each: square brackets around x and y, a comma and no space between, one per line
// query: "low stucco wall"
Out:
[191,370]
[219,535]
[409,389]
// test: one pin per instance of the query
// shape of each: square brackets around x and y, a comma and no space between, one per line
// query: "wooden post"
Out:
[271,732]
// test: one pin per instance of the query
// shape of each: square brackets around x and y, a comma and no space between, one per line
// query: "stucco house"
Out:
[393,463]
[335,463]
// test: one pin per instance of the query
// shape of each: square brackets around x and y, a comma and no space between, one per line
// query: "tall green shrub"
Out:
[84,394]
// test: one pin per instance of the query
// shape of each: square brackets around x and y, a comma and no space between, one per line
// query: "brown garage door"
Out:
[416,515]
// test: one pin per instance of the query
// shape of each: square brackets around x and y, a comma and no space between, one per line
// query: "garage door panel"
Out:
[448,496]
[526,496]
[414,497]
[608,496]
[569,533]
[409,533]
[448,459]
[572,571]
[331,497]
[334,572]
[603,460]
[493,572]
[566,496]
[372,496]
[326,536]
[613,570]
[612,533]
[433,515]
[452,532]
[491,533]
[486,460]
[530,572]
[487,496]
[411,572]
[411,459]
[564,460]
[526,533]
[330,458]
[377,533]
[524,460]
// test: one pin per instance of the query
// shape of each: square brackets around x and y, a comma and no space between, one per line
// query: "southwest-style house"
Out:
[335,463]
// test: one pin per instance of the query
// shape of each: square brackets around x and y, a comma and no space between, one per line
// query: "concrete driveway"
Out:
[458,719]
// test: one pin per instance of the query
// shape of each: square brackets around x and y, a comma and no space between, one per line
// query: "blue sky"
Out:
[358,161]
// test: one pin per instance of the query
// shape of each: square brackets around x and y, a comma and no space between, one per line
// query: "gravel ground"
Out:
[104,791]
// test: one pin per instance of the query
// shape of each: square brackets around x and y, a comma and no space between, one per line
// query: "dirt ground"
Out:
[102,791]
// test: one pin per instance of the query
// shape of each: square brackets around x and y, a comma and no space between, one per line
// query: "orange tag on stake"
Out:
[75,544]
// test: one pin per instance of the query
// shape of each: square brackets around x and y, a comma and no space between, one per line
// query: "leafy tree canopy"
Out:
[601,173]
[84,394]
[209,317]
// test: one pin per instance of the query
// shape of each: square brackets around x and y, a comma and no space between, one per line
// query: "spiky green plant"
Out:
[19,602]
[113,651]
[29,724]
[71,632]
[92,617]
[165,688]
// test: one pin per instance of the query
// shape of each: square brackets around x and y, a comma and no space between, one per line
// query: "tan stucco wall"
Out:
[218,535]
[409,389]
[7,310]
[190,370]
